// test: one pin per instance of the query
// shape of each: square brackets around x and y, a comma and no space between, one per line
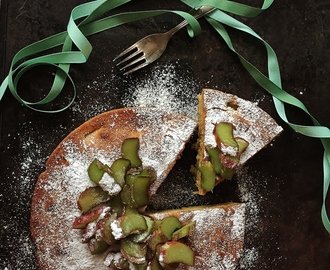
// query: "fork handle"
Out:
[202,11]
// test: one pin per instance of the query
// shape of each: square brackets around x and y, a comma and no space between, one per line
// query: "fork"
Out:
[150,48]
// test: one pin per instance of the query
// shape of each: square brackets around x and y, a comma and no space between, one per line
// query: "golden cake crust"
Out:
[162,136]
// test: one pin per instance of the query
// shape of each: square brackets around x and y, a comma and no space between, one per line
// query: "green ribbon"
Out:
[75,34]
[89,14]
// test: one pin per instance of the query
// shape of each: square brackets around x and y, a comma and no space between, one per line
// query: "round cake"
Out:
[217,238]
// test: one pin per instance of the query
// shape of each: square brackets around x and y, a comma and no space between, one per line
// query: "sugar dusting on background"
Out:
[164,88]
[248,193]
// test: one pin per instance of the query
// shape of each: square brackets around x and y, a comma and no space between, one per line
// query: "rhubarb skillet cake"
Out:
[89,207]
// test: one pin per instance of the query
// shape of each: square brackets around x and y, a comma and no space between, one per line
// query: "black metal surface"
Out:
[286,177]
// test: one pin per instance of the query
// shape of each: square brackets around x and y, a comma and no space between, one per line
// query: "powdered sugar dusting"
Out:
[165,88]
[59,245]
[249,194]
[16,194]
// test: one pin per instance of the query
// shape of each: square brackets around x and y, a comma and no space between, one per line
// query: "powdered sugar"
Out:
[117,231]
[16,195]
[165,89]
[248,192]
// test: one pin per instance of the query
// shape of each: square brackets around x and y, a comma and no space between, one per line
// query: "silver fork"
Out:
[150,48]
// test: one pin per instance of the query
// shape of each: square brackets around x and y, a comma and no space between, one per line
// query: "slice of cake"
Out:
[231,131]
[162,138]
[218,236]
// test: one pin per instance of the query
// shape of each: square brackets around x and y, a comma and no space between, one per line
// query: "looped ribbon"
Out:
[89,14]
[75,34]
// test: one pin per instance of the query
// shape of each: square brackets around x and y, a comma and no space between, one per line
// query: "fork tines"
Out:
[133,58]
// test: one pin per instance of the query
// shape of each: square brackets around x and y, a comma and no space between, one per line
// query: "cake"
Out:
[248,124]
[216,236]
[162,137]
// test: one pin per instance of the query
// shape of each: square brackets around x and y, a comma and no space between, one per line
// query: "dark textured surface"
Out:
[288,175]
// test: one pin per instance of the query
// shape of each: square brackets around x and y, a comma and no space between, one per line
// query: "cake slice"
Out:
[218,236]
[231,130]
[162,137]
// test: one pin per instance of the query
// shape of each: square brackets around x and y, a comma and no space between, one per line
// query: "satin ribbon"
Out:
[89,14]
[75,34]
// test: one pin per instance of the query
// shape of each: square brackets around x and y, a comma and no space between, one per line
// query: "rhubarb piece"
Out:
[208,176]
[156,239]
[242,145]
[119,168]
[140,189]
[97,246]
[225,138]
[116,260]
[131,178]
[149,171]
[132,223]
[135,194]
[176,252]
[106,232]
[230,161]
[141,237]
[133,252]
[214,154]
[82,221]
[169,225]
[219,169]
[131,210]
[227,173]
[91,197]
[96,170]
[117,205]
[183,231]
[126,196]
[89,232]
[130,151]
[154,265]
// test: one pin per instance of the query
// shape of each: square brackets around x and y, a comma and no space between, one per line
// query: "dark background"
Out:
[285,179]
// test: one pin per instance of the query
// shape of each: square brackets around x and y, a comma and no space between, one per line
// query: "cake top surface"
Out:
[250,122]
[162,136]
